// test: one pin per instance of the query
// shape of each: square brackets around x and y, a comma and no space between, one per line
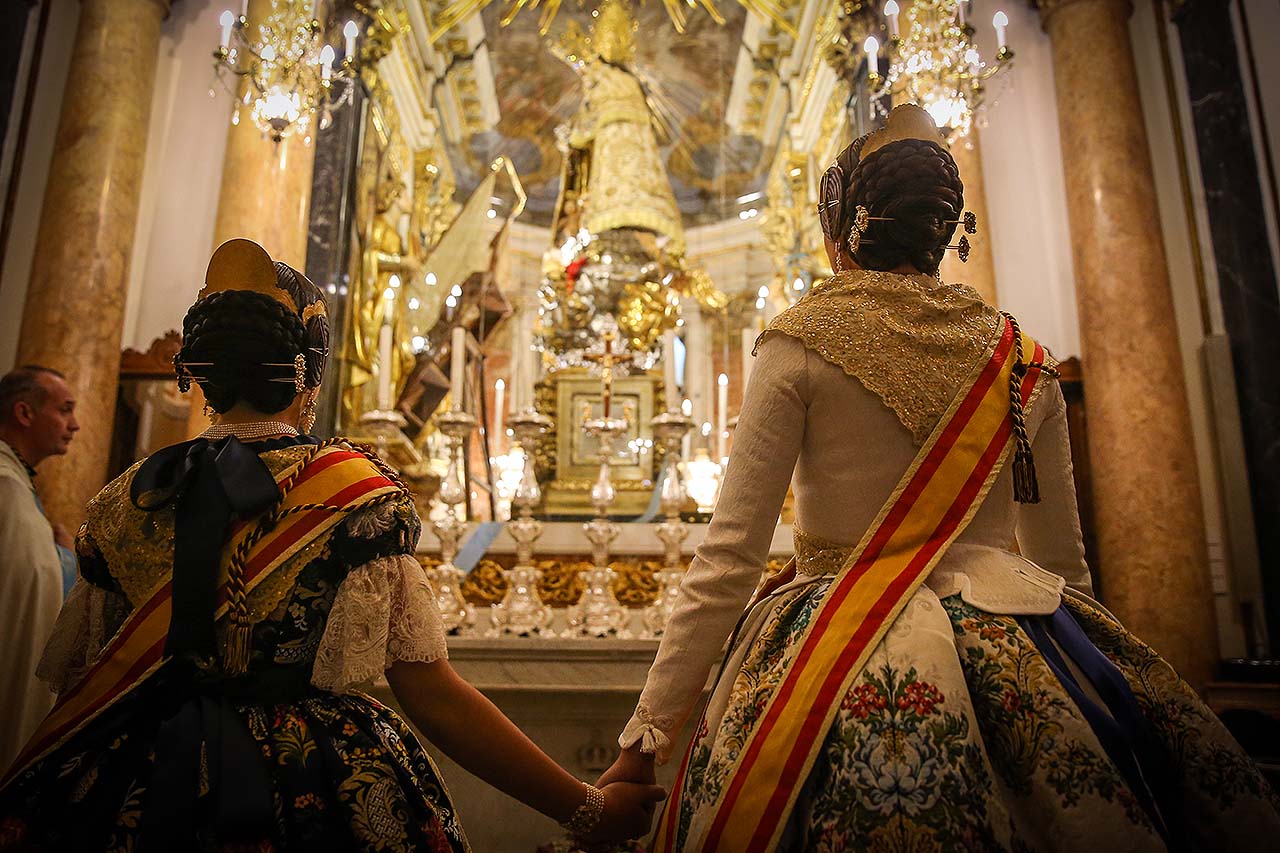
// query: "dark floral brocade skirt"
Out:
[338,772]
[959,735]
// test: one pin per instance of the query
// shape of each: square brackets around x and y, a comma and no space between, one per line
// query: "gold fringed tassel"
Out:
[1026,488]
[239,636]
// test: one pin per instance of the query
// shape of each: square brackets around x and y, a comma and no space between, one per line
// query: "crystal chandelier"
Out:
[287,74]
[934,62]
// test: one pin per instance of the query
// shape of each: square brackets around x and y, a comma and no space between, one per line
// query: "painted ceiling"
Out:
[687,78]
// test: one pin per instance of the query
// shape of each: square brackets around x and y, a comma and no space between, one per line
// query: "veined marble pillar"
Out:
[980,271]
[75,304]
[1152,560]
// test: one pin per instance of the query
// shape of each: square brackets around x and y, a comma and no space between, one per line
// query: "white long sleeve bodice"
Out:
[802,414]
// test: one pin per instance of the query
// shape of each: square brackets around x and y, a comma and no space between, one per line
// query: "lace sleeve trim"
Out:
[384,612]
[650,732]
[85,624]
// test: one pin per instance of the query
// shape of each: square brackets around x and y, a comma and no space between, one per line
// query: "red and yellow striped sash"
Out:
[932,504]
[335,477]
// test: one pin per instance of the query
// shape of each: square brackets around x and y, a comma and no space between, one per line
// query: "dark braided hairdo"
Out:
[236,332]
[913,183]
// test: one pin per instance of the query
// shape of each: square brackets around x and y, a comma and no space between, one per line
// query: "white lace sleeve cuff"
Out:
[384,612]
[78,636]
[650,732]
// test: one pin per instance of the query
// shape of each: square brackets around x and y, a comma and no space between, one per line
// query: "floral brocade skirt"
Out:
[960,736]
[343,773]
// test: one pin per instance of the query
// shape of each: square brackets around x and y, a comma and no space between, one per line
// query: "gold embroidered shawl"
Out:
[910,339]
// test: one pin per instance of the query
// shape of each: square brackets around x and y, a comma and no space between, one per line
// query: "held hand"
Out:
[632,765]
[628,812]
[62,537]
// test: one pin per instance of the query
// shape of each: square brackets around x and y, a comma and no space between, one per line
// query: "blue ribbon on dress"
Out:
[1125,733]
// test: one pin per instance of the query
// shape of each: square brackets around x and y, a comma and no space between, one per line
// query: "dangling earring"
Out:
[307,419]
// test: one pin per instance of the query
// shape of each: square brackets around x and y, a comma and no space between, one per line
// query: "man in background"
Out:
[37,566]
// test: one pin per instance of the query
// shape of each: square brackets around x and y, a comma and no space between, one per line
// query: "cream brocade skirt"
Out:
[959,736]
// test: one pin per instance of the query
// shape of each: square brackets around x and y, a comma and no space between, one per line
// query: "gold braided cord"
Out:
[1026,486]
[236,656]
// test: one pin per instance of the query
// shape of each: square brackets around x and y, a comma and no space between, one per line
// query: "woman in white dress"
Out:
[932,672]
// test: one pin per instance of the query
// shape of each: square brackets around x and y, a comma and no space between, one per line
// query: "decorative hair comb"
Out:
[862,220]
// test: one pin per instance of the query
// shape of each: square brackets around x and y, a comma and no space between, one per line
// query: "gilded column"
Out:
[74,312]
[1152,560]
[980,271]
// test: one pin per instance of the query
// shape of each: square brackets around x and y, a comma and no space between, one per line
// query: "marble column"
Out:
[1153,565]
[74,311]
[329,244]
[980,271]
[1237,222]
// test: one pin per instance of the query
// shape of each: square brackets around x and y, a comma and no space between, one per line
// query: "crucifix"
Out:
[608,359]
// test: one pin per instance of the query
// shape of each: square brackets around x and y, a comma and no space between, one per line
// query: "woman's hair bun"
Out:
[243,342]
[912,190]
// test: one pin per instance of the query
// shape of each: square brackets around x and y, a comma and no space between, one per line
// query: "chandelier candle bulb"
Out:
[960,13]
[1001,23]
[350,31]
[326,63]
[872,48]
[227,21]
[891,14]
[457,365]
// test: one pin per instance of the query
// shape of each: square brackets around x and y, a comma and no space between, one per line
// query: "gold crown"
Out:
[244,265]
[906,121]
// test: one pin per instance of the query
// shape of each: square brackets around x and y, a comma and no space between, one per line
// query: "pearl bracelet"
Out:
[586,816]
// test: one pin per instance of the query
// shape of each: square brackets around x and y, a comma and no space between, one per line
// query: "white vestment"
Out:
[30,597]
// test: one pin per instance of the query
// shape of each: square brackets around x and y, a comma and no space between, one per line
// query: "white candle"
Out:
[326,62]
[722,416]
[351,31]
[458,355]
[748,344]
[227,20]
[872,47]
[669,367]
[686,445]
[499,415]
[960,12]
[891,12]
[1001,23]
[384,367]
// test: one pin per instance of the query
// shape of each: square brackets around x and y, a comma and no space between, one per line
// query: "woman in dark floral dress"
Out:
[234,591]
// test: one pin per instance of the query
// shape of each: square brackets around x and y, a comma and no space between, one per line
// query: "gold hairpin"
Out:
[962,249]
[299,378]
[862,220]
[969,221]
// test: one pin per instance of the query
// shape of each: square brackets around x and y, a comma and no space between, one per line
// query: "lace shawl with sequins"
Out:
[910,339]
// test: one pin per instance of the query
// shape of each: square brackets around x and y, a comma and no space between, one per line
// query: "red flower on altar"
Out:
[571,272]
[921,697]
